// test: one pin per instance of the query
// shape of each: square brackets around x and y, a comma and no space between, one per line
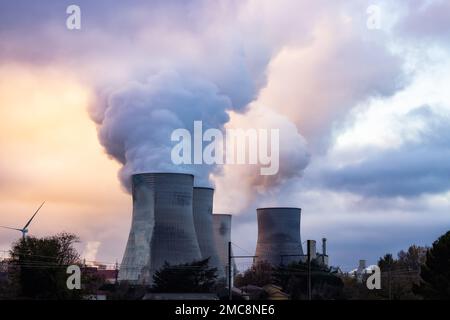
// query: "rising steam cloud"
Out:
[138,119]
[222,71]
[212,73]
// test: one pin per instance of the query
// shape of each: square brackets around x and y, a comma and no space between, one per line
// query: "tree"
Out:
[189,277]
[435,273]
[413,258]
[293,279]
[259,274]
[38,266]
[8,288]
[387,263]
[357,290]
[399,276]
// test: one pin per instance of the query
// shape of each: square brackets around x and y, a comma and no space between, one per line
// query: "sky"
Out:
[358,90]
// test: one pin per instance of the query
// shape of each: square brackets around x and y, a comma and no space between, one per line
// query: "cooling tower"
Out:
[279,241]
[162,227]
[222,235]
[203,222]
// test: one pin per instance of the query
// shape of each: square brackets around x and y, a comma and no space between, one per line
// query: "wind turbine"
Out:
[24,230]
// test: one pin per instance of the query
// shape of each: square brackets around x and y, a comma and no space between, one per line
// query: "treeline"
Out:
[417,273]
[37,269]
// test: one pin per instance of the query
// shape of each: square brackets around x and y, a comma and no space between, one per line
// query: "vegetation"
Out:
[357,290]
[293,279]
[38,266]
[398,276]
[37,269]
[259,275]
[325,283]
[435,273]
[190,277]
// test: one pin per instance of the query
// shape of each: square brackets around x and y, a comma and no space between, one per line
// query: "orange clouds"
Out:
[50,151]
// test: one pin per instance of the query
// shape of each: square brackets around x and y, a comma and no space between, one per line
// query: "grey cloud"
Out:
[415,168]
[427,20]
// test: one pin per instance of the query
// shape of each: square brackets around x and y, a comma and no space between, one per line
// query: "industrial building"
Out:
[322,258]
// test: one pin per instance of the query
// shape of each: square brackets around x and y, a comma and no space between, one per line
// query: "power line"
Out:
[241,248]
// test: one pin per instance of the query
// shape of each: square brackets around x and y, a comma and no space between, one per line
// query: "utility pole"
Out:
[116,273]
[309,267]
[389,283]
[230,292]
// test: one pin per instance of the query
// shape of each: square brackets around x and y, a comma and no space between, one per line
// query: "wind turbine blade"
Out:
[11,228]
[29,221]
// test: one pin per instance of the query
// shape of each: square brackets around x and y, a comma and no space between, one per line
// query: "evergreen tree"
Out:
[435,273]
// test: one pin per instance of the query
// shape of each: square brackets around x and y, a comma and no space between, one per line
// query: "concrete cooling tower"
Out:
[162,227]
[222,236]
[279,241]
[203,222]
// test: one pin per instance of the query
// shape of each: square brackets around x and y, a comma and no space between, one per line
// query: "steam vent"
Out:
[162,227]
[279,241]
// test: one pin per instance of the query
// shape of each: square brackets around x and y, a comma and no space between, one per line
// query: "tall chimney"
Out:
[312,249]
[324,246]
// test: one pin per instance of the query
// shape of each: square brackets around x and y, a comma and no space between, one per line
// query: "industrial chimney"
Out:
[162,227]
[203,222]
[279,241]
[312,249]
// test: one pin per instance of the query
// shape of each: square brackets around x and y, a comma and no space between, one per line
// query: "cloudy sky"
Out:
[359,92]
